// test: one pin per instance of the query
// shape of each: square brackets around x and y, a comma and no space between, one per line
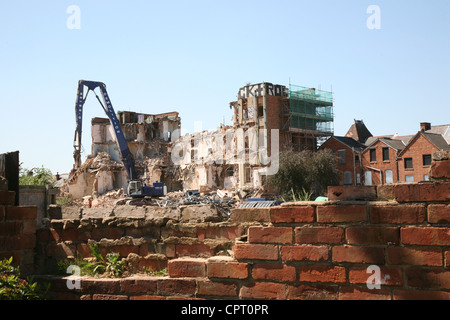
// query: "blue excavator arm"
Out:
[125,154]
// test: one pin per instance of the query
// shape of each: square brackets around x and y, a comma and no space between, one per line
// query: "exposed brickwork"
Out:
[313,251]
[17,232]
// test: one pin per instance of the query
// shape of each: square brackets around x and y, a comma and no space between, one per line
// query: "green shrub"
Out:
[304,175]
[12,287]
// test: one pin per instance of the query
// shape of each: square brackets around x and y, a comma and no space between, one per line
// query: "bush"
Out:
[12,287]
[36,177]
[305,175]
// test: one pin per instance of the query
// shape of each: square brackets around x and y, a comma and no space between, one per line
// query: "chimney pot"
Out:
[425,126]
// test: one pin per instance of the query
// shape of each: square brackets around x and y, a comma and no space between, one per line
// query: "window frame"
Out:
[405,161]
[373,152]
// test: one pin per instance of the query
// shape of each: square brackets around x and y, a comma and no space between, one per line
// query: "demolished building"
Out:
[267,119]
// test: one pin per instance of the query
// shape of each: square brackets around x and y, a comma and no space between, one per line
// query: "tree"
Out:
[305,172]
[36,176]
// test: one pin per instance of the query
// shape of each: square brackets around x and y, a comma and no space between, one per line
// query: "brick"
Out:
[308,292]
[74,235]
[60,250]
[341,213]
[414,256]
[425,236]
[304,253]
[388,276]
[430,279]
[234,270]
[220,233]
[295,214]
[361,293]
[2,213]
[422,192]
[29,226]
[357,254]
[147,297]
[21,213]
[192,267]
[215,288]
[328,235]
[439,213]
[105,286]
[250,215]
[20,242]
[420,295]
[264,290]
[176,286]
[256,251]
[440,169]
[195,250]
[7,198]
[106,233]
[144,285]
[334,274]
[9,228]
[270,235]
[351,193]
[398,214]
[274,272]
[123,250]
[108,297]
[372,235]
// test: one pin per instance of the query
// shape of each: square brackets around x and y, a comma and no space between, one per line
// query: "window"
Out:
[385,154]
[426,178]
[426,160]
[347,178]
[341,156]
[389,179]
[368,178]
[373,155]
[408,163]
[356,158]
[409,178]
[358,178]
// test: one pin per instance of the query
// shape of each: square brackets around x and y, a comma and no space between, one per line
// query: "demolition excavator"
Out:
[135,187]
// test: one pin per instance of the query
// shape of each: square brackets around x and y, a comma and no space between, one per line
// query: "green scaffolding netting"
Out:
[311,109]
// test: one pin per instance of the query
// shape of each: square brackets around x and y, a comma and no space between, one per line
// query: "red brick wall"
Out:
[350,165]
[391,164]
[415,151]
[314,250]
[17,232]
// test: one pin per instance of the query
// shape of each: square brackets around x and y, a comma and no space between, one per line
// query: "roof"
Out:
[393,143]
[350,142]
[359,131]
[443,130]
[436,139]
[404,139]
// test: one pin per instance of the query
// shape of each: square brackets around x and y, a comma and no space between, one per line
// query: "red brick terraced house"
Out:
[414,160]
[379,161]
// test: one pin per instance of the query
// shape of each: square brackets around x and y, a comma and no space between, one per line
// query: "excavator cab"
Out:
[134,188]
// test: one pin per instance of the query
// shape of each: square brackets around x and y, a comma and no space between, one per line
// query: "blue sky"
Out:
[193,56]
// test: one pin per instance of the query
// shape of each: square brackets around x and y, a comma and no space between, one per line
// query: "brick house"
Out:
[379,161]
[348,152]
[414,160]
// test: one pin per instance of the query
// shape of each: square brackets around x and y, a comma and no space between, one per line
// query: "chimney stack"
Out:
[425,126]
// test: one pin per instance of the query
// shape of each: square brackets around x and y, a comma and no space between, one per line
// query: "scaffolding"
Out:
[311,110]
